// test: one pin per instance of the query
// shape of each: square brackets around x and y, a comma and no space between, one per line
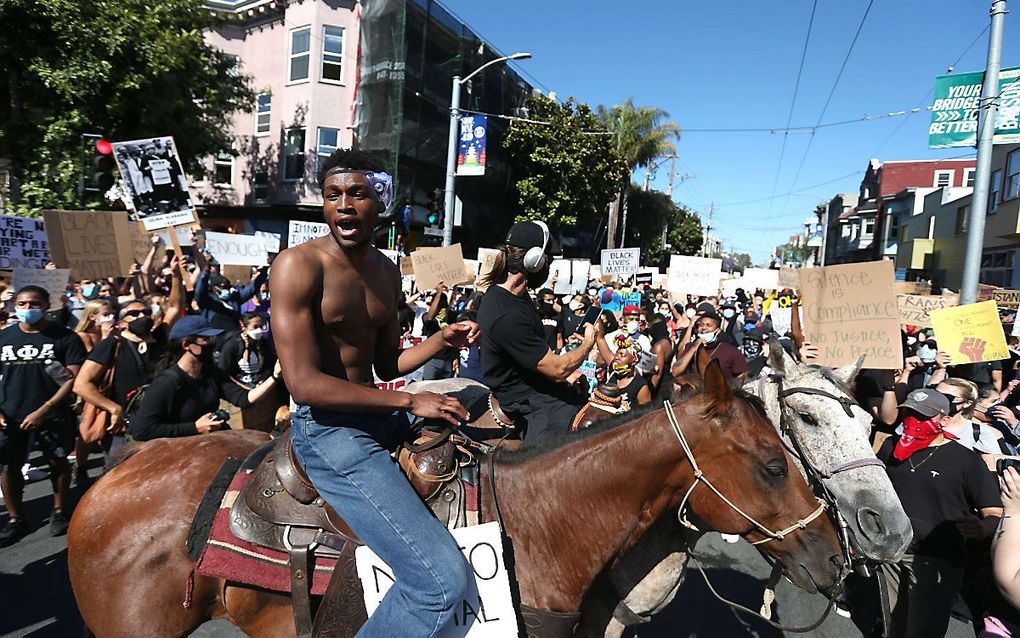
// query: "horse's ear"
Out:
[716,387]
[848,373]
[779,360]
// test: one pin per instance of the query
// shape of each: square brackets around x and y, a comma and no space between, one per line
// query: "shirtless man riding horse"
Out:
[334,319]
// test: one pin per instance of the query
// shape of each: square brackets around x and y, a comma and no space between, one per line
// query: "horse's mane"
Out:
[692,387]
[831,377]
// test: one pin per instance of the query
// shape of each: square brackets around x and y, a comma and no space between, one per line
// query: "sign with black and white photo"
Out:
[154,178]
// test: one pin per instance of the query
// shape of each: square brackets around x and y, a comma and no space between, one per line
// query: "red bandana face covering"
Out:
[917,435]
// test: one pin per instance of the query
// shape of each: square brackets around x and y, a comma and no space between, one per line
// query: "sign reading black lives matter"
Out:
[153,176]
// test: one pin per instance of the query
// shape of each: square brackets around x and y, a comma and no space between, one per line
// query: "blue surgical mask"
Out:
[707,337]
[926,354]
[31,316]
[88,291]
[224,294]
[728,313]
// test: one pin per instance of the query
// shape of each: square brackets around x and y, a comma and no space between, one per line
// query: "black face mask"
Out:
[752,348]
[206,356]
[954,408]
[141,327]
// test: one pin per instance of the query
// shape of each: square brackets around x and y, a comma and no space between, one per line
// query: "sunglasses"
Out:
[140,312]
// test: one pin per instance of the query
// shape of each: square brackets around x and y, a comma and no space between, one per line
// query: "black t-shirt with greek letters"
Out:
[937,486]
[23,360]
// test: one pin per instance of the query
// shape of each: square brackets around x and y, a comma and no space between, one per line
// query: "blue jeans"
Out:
[345,455]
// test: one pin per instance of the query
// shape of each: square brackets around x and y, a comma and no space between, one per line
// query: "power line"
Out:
[832,91]
[805,129]
[793,102]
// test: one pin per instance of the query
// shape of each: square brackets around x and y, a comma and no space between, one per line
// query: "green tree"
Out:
[640,134]
[566,170]
[125,69]
[742,261]
[648,212]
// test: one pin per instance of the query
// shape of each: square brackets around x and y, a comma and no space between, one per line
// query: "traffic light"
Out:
[435,216]
[102,166]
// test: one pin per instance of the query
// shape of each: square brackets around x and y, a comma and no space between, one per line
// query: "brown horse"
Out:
[571,507]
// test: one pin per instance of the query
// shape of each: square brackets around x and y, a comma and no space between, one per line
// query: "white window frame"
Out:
[284,158]
[865,233]
[291,56]
[1011,181]
[319,155]
[323,55]
[994,191]
[969,175]
[219,161]
[268,113]
[935,179]
[931,227]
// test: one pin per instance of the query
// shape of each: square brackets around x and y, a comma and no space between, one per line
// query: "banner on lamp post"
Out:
[954,113]
[471,145]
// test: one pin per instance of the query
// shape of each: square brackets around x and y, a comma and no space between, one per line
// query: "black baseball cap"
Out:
[926,402]
[530,235]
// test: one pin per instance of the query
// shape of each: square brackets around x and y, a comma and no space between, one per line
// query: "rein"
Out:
[699,477]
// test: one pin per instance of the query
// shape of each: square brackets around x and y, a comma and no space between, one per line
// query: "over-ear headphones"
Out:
[534,259]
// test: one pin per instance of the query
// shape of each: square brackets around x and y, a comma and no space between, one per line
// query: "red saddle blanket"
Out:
[226,556]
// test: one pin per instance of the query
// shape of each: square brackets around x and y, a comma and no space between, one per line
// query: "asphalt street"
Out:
[37,599]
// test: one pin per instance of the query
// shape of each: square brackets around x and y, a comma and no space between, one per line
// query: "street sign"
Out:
[954,113]
[434,231]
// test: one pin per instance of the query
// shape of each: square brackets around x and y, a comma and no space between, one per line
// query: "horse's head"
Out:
[741,455]
[834,432]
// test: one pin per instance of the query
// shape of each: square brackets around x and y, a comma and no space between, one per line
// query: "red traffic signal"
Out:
[103,147]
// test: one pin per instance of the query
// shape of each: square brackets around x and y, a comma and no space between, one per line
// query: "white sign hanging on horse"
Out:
[487,610]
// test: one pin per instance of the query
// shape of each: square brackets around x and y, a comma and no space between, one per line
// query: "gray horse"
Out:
[833,433]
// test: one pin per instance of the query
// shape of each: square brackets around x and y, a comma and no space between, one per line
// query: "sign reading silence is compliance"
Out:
[954,113]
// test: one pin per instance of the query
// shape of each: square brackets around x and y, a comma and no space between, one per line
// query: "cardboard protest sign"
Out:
[621,261]
[694,275]
[470,270]
[22,243]
[238,275]
[487,609]
[851,310]
[986,292]
[789,277]
[911,288]
[300,232]
[152,173]
[434,265]
[54,280]
[1007,298]
[93,244]
[406,267]
[915,309]
[971,333]
[237,250]
[764,278]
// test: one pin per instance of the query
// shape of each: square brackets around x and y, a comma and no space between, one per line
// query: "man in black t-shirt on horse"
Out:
[525,376]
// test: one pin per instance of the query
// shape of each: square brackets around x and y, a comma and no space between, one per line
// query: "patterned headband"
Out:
[381,183]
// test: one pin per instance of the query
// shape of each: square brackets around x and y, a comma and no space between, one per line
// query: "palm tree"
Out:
[640,134]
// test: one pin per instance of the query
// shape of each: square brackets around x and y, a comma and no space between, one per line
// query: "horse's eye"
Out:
[776,470]
[807,418]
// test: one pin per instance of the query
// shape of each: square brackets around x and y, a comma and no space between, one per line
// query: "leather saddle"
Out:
[280,509]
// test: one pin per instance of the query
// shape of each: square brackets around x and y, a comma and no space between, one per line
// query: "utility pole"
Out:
[706,249]
[986,130]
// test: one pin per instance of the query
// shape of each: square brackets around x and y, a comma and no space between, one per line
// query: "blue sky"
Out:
[734,65]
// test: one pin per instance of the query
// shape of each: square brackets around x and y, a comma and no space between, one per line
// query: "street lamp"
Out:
[451,155]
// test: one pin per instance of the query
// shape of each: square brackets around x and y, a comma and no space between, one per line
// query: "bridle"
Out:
[700,478]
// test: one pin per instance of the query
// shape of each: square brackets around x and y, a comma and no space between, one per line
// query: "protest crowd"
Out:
[181,346]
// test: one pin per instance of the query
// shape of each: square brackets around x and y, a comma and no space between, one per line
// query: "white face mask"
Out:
[633,326]
[691,312]
[576,305]
[256,333]
[156,310]
[707,337]
[105,320]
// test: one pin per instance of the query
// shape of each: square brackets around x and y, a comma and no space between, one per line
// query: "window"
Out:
[894,228]
[994,187]
[234,69]
[332,54]
[1012,188]
[223,169]
[961,220]
[869,228]
[198,171]
[260,187]
[300,42]
[997,268]
[968,177]
[931,227]
[294,155]
[903,234]
[263,108]
[943,179]
[328,140]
